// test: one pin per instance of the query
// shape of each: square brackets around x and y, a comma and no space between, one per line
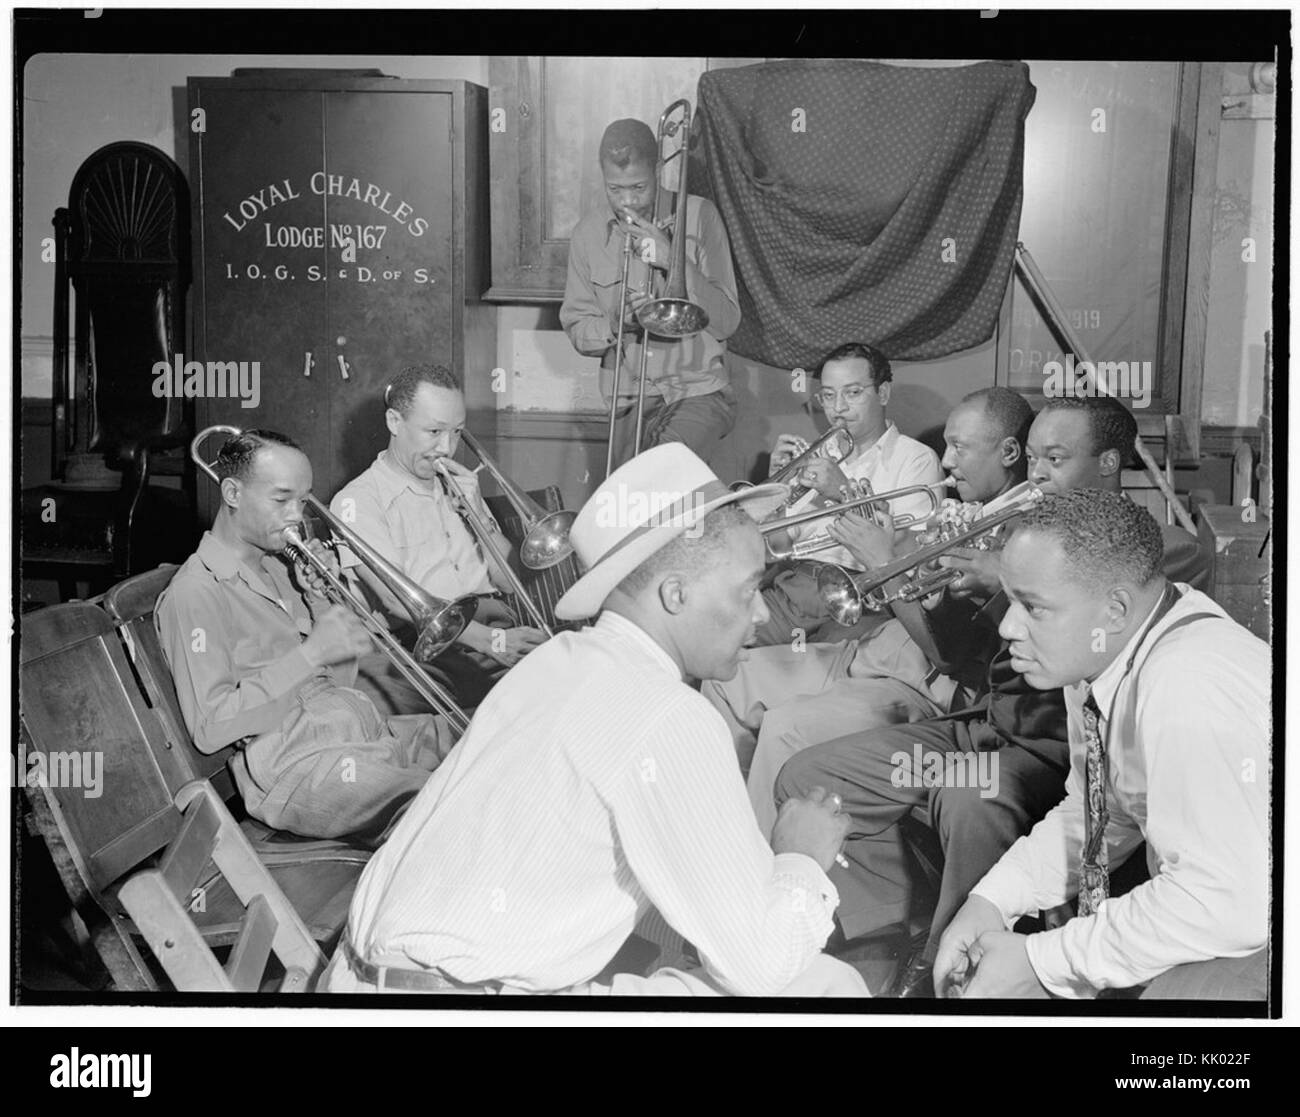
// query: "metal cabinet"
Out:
[341,234]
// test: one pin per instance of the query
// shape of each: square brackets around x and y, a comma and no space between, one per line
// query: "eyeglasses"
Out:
[854,393]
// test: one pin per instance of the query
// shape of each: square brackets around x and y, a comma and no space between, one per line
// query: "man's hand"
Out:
[1002,968]
[825,476]
[813,826]
[953,964]
[336,637]
[870,543]
[636,299]
[980,571]
[659,253]
[787,448]
[509,645]
[309,578]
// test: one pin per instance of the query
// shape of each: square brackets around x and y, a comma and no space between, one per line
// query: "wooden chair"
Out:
[162,902]
[131,605]
[115,794]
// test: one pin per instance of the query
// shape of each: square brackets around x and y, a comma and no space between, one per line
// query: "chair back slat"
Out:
[190,851]
[546,587]
[94,740]
[131,604]
[248,957]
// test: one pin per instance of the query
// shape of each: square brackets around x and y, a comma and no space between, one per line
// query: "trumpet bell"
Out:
[440,627]
[547,542]
[672,317]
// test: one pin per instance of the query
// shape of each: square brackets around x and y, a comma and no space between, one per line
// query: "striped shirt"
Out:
[592,784]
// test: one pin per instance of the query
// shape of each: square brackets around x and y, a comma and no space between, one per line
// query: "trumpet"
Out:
[546,534]
[846,595]
[546,540]
[822,541]
[835,443]
[438,623]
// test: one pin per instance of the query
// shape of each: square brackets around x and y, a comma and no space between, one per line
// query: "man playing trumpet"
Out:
[261,659]
[855,381]
[403,507]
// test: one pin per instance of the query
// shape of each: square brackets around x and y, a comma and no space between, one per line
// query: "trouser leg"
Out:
[978,824]
[876,776]
[1217,979]
[340,769]
[767,679]
[846,706]
[700,422]
[467,675]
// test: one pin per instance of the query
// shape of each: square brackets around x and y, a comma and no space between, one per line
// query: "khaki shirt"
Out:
[233,641]
[416,527]
[677,367]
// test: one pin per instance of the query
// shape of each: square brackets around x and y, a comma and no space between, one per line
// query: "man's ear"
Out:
[230,490]
[1109,463]
[391,418]
[672,594]
[1012,451]
[1119,608]
[882,391]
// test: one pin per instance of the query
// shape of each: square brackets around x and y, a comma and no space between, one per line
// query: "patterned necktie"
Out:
[1094,878]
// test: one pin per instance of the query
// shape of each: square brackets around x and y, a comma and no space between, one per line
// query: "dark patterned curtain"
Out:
[865,201]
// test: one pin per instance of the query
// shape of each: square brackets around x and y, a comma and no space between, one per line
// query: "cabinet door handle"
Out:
[343,367]
[307,362]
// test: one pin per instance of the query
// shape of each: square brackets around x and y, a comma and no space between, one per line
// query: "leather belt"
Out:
[411,981]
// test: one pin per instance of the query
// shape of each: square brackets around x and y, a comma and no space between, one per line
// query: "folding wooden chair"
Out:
[320,894]
[162,902]
[114,790]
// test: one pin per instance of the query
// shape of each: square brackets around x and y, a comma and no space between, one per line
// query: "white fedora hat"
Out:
[638,509]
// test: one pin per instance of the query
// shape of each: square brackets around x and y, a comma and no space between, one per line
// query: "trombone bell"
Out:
[673,314]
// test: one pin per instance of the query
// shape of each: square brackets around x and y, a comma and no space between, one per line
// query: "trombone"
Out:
[846,595]
[438,623]
[671,314]
[547,535]
[823,542]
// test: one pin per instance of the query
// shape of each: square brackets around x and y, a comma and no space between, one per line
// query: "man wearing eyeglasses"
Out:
[855,382]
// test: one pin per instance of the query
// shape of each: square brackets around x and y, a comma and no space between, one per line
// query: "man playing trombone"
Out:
[261,659]
[405,508]
[688,391]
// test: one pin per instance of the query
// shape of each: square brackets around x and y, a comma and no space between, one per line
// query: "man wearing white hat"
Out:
[595,784]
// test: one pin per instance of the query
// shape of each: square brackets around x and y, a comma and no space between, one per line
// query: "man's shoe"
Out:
[914,976]
[916,979]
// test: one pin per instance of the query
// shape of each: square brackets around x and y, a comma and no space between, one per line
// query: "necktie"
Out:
[1094,879]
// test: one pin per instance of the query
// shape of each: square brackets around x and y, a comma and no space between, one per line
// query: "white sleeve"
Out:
[1203,735]
[689,834]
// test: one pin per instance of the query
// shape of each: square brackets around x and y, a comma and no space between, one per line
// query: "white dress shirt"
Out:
[893,461]
[1187,732]
[416,527]
[592,784]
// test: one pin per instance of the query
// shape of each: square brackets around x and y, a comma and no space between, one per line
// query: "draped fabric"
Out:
[865,201]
